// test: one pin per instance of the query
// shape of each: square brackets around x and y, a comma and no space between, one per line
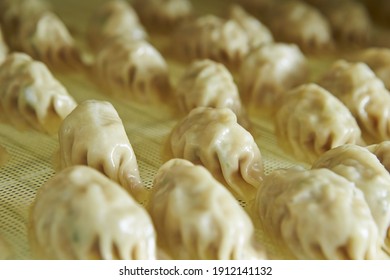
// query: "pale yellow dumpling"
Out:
[363,168]
[317,214]
[81,214]
[197,218]
[310,121]
[212,137]
[30,96]
[132,70]
[365,95]
[267,72]
[93,135]
[207,83]
[111,19]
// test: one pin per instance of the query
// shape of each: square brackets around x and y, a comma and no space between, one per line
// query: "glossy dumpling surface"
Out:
[317,214]
[81,214]
[212,137]
[93,135]
[311,121]
[190,208]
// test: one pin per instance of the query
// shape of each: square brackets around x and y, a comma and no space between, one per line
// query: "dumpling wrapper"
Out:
[317,214]
[111,19]
[47,39]
[94,135]
[30,96]
[311,121]
[164,15]
[212,37]
[132,70]
[212,137]
[258,34]
[365,95]
[299,23]
[267,72]
[361,167]
[197,218]
[81,214]
[206,83]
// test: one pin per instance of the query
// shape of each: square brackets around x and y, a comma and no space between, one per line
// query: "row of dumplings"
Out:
[338,209]
[238,166]
[97,194]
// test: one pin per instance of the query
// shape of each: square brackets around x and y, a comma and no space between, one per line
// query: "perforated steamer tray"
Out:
[31,162]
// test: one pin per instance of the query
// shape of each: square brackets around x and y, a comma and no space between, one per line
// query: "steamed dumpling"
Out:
[361,167]
[349,20]
[94,135]
[163,15]
[206,83]
[46,38]
[133,70]
[32,27]
[311,120]
[317,214]
[81,214]
[257,33]
[114,18]
[212,37]
[197,218]
[30,96]
[378,59]
[212,137]
[267,72]
[365,95]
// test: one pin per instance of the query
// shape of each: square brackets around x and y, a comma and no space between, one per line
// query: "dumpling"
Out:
[190,208]
[47,39]
[3,48]
[361,167]
[378,59]
[365,95]
[94,135]
[4,156]
[81,214]
[317,214]
[133,70]
[258,34]
[212,137]
[160,15]
[349,20]
[382,152]
[32,27]
[206,83]
[13,12]
[212,37]
[299,23]
[114,18]
[310,121]
[30,96]
[267,72]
